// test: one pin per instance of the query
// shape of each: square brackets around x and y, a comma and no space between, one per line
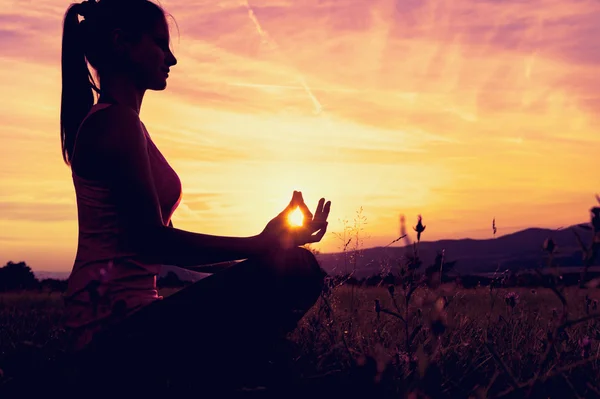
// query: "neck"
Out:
[121,90]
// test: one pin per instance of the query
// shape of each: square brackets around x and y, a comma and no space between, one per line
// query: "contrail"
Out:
[289,87]
[267,39]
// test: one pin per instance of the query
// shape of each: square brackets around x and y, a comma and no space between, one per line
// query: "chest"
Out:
[88,165]
[166,181]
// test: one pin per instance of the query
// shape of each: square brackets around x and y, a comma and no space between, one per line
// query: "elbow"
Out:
[148,242]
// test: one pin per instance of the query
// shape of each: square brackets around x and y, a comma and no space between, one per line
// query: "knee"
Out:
[297,263]
[299,279]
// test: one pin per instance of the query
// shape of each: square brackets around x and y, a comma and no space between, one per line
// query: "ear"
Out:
[121,41]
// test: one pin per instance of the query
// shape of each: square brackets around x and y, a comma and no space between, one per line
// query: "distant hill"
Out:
[42,274]
[517,251]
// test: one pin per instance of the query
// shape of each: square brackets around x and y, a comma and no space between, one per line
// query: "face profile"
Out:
[147,59]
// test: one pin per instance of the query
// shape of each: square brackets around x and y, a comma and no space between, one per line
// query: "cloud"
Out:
[38,211]
[443,108]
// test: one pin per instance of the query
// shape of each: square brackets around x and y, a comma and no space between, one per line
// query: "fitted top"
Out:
[109,281]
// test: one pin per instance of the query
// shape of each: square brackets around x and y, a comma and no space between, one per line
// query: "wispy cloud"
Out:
[449,109]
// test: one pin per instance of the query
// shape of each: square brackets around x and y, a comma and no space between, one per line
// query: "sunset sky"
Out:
[459,110]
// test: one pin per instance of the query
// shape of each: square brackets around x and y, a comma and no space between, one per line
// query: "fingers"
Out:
[296,198]
[317,237]
[320,208]
[303,208]
[322,212]
[314,223]
[326,209]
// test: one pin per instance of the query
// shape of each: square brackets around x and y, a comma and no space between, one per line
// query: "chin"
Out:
[159,86]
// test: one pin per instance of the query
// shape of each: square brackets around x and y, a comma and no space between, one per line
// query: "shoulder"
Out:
[112,137]
[117,118]
[116,127]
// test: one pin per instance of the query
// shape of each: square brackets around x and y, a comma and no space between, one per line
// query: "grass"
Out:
[415,339]
[483,346]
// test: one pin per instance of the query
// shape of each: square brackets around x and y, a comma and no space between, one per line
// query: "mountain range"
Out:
[516,251]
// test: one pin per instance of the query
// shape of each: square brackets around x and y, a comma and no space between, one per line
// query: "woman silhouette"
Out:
[126,194]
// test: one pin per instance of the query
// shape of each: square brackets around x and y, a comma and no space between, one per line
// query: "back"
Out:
[109,279]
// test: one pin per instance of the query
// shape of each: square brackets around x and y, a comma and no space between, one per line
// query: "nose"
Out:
[171,59]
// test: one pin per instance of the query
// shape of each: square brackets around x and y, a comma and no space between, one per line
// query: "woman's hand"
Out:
[279,233]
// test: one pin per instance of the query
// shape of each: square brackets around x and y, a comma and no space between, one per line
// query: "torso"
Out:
[119,274]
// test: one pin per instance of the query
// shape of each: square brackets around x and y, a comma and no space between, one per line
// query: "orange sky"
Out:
[457,110]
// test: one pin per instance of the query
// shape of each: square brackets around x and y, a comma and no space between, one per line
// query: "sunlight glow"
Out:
[296,218]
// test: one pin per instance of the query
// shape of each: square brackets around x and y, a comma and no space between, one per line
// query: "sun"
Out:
[296,218]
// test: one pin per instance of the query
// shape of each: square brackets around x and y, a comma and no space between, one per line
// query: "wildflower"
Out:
[439,316]
[494,226]
[512,299]
[549,245]
[596,226]
[595,220]
[377,307]
[419,228]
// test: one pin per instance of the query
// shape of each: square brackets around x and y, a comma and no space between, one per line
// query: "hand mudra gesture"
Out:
[280,233]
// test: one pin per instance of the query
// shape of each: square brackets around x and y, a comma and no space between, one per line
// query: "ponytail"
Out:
[88,41]
[77,97]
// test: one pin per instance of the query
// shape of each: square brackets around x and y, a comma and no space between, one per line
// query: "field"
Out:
[450,342]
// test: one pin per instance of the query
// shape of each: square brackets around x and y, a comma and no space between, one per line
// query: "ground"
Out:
[450,342]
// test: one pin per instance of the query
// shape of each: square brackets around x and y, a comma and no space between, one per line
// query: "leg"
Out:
[222,320]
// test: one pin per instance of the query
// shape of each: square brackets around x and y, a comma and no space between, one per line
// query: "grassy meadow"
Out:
[449,342]
[419,337]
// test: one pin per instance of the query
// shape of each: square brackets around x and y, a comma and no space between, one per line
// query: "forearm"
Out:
[182,248]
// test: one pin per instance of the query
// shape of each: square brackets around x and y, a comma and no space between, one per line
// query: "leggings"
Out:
[210,332]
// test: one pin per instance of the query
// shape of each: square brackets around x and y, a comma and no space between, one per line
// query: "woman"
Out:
[126,194]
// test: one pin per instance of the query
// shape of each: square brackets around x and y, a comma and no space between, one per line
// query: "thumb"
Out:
[293,203]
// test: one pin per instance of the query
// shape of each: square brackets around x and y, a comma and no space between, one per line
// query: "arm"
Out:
[210,268]
[123,149]
[182,248]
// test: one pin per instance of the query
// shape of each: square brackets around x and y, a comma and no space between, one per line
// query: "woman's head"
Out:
[124,38]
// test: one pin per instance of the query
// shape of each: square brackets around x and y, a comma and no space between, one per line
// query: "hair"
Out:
[89,41]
